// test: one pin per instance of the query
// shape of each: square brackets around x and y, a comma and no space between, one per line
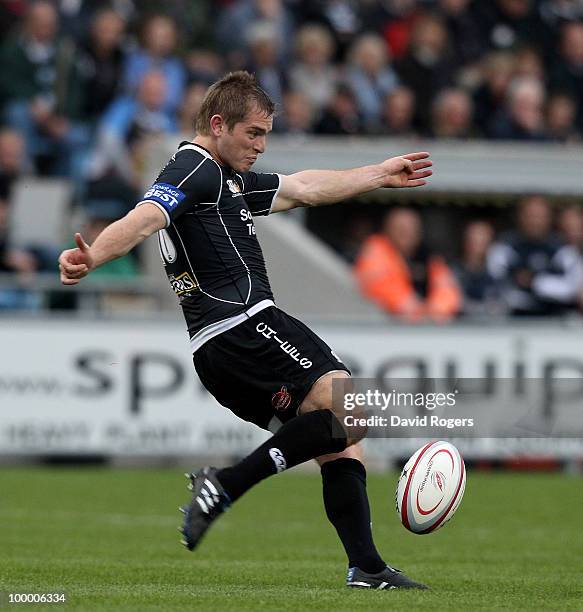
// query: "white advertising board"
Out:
[112,387]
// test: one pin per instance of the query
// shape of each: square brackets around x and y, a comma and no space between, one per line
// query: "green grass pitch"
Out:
[109,539]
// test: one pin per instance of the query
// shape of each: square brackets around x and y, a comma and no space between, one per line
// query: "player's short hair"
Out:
[232,97]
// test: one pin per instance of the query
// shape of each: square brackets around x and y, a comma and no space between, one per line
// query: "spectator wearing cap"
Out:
[536,272]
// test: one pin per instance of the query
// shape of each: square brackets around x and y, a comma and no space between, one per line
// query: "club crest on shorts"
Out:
[282,399]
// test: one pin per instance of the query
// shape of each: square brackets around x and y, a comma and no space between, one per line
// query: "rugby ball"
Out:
[431,487]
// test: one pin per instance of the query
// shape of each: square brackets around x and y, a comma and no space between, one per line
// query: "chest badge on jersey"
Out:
[233,186]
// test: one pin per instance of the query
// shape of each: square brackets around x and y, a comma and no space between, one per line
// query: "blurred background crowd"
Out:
[87,87]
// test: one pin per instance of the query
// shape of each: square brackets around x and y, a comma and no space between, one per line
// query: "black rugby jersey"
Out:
[209,248]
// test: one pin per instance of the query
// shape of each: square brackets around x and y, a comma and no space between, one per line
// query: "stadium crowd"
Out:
[87,87]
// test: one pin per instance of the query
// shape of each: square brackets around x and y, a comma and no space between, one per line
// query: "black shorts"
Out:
[263,368]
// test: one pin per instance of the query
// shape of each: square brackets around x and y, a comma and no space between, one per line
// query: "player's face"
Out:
[240,146]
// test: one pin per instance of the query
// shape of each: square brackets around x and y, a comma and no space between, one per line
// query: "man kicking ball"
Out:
[261,363]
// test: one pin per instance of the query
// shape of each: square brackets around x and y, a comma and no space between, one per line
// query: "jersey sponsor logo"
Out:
[278,459]
[233,186]
[282,399]
[284,345]
[247,218]
[165,194]
[182,284]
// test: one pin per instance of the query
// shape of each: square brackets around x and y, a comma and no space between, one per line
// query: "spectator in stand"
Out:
[157,52]
[452,114]
[371,77]
[15,261]
[235,23]
[343,18]
[398,113]
[567,75]
[528,64]
[264,60]
[298,116]
[312,73]
[102,62]
[463,27]
[341,116]
[98,218]
[396,271]
[536,272]
[203,66]
[12,161]
[76,16]
[21,262]
[509,24]
[128,128]
[555,12]
[397,17]
[42,94]
[190,108]
[479,289]
[427,67]
[570,226]
[10,15]
[490,97]
[523,118]
[561,114]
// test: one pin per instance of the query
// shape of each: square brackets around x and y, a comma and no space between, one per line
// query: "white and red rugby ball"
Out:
[431,487]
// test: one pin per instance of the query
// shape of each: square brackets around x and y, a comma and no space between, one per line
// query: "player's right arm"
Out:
[116,240]
[321,187]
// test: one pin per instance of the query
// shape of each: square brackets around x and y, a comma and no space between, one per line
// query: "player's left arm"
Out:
[320,187]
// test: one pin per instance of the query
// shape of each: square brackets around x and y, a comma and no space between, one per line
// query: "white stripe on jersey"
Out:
[214,329]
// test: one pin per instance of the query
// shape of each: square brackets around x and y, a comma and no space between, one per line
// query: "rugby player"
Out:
[258,361]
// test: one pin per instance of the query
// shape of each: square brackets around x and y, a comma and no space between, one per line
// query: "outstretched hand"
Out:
[76,263]
[409,170]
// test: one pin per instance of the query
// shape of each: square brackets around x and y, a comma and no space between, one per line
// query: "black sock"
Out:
[346,503]
[304,437]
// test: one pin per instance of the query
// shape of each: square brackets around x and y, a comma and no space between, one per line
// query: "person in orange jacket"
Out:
[395,271]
